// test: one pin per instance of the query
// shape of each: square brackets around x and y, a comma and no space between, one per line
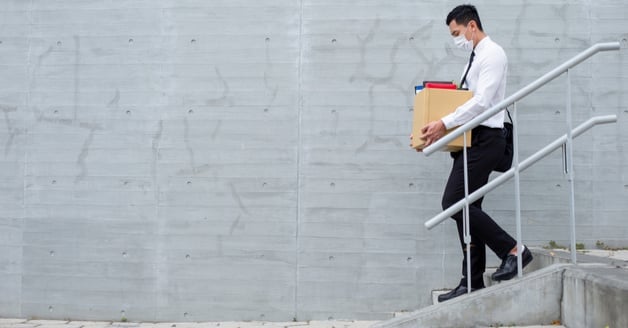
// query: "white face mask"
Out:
[461,42]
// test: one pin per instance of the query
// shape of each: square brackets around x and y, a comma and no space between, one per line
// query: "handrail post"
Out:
[570,172]
[466,227]
[515,154]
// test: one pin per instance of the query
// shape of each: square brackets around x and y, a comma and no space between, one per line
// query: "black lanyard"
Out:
[464,77]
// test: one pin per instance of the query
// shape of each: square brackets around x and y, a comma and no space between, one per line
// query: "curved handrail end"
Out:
[608,46]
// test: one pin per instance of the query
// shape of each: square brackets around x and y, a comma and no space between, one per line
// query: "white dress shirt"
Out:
[487,80]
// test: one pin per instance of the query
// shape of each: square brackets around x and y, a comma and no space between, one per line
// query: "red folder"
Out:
[441,86]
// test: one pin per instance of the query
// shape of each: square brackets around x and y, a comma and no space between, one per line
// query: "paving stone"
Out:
[90,324]
[161,325]
[17,325]
[55,324]
[125,324]
[7,322]
[340,324]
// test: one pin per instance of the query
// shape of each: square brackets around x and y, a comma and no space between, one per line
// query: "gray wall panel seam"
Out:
[298,162]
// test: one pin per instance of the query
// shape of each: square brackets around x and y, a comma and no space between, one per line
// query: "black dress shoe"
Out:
[508,269]
[458,291]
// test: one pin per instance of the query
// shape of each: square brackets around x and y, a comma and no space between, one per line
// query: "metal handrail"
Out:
[520,94]
[501,179]
[517,167]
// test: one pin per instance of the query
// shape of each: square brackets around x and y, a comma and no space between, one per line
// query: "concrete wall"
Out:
[594,297]
[248,160]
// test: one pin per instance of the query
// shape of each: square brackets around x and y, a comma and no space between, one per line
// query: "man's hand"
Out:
[432,132]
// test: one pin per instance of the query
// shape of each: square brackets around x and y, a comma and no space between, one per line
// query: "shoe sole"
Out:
[451,298]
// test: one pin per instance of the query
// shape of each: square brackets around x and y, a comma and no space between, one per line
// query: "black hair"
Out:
[463,14]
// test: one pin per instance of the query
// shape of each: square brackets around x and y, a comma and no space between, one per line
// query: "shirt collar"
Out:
[486,40]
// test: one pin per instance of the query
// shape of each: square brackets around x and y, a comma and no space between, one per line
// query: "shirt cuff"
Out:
[448,121]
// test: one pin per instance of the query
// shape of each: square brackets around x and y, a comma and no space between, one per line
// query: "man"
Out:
[485,76]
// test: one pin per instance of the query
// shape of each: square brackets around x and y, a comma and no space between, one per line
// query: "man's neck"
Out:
[478,38]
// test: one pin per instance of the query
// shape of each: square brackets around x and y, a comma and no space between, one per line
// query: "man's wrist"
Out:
[446,122]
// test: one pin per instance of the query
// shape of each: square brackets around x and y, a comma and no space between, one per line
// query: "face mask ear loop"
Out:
[472,32]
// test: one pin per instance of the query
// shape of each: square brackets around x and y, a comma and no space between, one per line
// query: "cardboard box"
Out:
[433,104]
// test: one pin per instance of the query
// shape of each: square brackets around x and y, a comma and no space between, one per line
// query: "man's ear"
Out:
[472,25]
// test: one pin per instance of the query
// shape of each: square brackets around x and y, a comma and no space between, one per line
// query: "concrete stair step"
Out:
[553,326]
[592,293]
[542,326]
[487,280]
[475,309]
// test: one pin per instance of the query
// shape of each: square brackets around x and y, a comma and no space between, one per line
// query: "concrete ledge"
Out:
[533,299]
[593,293]
[546,257]
[595,296]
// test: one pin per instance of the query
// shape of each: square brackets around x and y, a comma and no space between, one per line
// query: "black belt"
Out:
[485,128]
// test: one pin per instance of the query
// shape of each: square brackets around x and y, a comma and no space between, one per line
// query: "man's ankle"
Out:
[514,250]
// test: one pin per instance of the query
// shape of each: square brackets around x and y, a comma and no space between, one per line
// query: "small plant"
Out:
[602,245]
[123,319]
[554,245]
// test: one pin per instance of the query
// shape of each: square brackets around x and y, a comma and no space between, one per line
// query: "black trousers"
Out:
[487,148]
